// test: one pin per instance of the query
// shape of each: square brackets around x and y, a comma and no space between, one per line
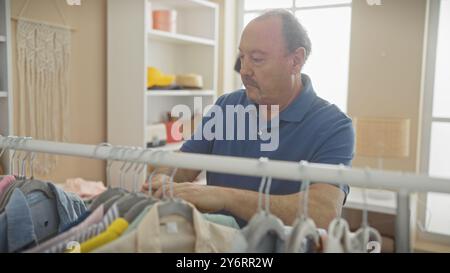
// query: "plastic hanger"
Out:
[130,199]
[173,206]
[124,194]
[27,156]
[110,192]
[263,222]
[14,141]
[338,234]
[303,227]
[360,239]
[140,206]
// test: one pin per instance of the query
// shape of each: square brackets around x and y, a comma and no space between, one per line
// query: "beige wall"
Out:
[87,78]
[385,67]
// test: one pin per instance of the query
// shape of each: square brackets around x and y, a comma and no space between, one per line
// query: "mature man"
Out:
[273,50]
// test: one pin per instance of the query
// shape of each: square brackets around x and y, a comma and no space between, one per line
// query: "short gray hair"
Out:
[295,35]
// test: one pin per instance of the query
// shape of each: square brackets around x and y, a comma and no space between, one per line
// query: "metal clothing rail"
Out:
[286,170]
[403,183]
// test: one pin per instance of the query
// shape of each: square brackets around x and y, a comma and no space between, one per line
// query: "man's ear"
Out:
[299,56]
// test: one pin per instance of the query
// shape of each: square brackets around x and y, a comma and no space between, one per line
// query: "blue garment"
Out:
[310,129]
[32,218]
[16,224]
[76,222]
[69,206]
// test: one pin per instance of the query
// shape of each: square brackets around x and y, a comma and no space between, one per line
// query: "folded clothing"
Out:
[86,190]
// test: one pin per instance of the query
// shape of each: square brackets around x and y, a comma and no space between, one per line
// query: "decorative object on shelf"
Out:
[156,135]
[43,52]
[173,129]
[156,78]
[165,20]
[189,81]
[382,138]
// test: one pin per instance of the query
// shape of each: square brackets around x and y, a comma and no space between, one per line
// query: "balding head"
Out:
[294,34]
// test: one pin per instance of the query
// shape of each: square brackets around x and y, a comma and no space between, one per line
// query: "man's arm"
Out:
[324,201]
[324,204]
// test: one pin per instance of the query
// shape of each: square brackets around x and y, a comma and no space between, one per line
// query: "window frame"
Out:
[241,11]
[429,66]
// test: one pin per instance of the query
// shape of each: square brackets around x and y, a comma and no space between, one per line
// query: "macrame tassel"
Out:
[43,69]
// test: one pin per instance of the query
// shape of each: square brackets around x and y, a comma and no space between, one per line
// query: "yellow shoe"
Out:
[156,78]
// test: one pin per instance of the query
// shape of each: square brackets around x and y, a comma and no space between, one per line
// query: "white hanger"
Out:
[174,206]
[263,222]
[128,164]
[360,239]
[303,226]
[22,173]
[338,234]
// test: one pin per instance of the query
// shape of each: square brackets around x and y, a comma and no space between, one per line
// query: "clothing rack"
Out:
[402,183]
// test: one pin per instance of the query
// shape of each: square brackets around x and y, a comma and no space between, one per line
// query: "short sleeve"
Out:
[197,143]
[337,147]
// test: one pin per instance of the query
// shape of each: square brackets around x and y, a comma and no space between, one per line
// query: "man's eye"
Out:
[256,60]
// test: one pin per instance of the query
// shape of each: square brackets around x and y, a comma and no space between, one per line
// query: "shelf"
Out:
[172,146]
[179,38]
[184,3]
[179,93]
[387,204]
[2,38]
[3,94]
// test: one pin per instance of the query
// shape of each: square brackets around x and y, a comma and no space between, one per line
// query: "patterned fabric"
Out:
[84,235]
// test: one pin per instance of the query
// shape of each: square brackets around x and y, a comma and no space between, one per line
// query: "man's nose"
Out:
[246,69]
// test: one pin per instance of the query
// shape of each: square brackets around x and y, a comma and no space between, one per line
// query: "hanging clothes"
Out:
[5,182]
[86,233]
[110,234]
[34,211]
[173,234]
[94,218]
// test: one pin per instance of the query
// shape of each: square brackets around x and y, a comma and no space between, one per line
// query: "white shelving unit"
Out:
[6,100]
[158,93]
[164,36]
[133,45]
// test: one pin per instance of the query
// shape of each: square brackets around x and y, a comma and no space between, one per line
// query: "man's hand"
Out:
[204,198]
[157,179]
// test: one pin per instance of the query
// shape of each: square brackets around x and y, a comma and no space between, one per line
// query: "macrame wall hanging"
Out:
[43,56]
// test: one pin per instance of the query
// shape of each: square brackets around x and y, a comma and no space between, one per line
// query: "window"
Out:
[328,23]
[436,129]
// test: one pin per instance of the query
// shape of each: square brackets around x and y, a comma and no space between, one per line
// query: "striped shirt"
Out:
[90,232]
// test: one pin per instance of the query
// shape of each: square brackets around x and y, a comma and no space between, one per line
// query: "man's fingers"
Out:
[144,188]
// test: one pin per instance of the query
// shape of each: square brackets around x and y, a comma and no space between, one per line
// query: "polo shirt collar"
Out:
[298,108]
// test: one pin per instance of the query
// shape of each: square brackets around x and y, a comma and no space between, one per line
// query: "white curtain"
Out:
[43,72]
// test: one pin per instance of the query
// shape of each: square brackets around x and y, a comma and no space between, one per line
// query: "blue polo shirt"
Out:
[310,129]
